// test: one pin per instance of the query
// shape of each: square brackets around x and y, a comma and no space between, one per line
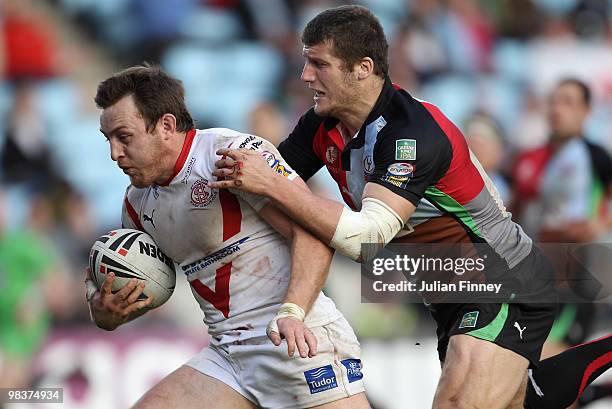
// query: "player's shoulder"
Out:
[134,195]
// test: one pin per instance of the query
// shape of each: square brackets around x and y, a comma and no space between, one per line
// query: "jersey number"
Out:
[232,219]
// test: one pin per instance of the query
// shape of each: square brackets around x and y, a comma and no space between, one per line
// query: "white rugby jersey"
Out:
[238,266]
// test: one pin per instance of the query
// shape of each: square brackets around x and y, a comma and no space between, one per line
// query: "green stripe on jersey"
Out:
[450,205]
[491,331]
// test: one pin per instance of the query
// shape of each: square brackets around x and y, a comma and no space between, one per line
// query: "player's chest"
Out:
[183,218]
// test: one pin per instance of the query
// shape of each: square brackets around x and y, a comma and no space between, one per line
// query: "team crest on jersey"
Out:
[405,149]
[201,194]
[368,164]
[331,154]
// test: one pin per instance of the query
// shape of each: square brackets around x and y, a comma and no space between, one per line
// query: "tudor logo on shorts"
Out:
[321,379]
[469,319]
[353,369]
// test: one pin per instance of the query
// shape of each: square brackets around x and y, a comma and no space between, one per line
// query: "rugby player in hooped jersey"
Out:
[232,250]
[408,176]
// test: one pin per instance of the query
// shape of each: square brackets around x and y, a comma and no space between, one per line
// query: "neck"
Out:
[170,156]
[357,114]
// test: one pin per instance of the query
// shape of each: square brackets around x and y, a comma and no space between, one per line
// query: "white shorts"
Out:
[265,375]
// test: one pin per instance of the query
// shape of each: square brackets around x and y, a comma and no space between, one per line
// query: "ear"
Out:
[167,125]
[365,68]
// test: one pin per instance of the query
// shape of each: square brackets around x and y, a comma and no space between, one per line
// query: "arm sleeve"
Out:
[407,166]
[298,148]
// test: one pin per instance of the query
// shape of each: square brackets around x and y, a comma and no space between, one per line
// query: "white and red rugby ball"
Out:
[133,254]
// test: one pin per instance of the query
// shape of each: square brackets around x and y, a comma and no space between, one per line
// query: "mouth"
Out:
[318,95]
[126,169]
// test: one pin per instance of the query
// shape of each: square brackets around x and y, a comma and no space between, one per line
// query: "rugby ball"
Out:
[133,254]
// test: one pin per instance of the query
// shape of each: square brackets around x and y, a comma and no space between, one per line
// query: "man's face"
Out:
[568,111]
[335,88]
[137,152]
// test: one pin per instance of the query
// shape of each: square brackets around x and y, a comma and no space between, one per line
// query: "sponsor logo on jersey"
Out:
[192,161]
[201,194]
[202,263]
[246,141]
[331,154]
[147,218]
[321,379]
[469,320]
[398,181]
[256,145]
[400,169]
[275,163]
[353,369]
[405,149]
[155,189]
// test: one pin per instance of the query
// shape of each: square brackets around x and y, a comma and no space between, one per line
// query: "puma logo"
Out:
[146,218]
[520,330]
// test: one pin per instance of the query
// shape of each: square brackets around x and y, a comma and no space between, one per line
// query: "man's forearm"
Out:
[318,215]
[310,260]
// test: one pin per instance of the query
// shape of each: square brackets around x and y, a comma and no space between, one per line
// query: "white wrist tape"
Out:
[376,223]
[91,289]
[286,310]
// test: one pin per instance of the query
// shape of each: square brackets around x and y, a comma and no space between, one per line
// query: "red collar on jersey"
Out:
[182,157]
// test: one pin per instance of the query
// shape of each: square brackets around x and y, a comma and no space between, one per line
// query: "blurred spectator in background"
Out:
[486,142]
[30,41]
[27,264]
[268,121]
[566,184]
[26,157]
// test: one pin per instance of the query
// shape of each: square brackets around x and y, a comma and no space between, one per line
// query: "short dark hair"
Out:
[155,93]
[584,88]
[353,33]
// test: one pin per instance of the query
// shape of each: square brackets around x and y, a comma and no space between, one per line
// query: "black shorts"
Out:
[519,327]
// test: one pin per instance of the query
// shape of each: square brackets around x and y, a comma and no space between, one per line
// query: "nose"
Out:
[116,150]
[307,73]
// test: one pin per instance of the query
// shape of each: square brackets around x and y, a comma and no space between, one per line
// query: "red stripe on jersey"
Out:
[232,215]
[180,162]
[219,298]
[132,213]
[462,180]
[323,140]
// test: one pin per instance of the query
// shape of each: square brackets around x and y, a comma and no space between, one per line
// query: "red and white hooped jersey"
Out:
[238,266]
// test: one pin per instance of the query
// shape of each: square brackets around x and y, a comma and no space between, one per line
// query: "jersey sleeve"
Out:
[298,149]
[270,154]
[408,165]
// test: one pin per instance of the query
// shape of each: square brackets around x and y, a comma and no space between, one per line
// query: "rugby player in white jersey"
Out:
[231,248]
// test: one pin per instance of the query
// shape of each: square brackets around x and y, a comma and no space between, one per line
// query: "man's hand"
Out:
[244,169]
[111,310]
[297,335]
